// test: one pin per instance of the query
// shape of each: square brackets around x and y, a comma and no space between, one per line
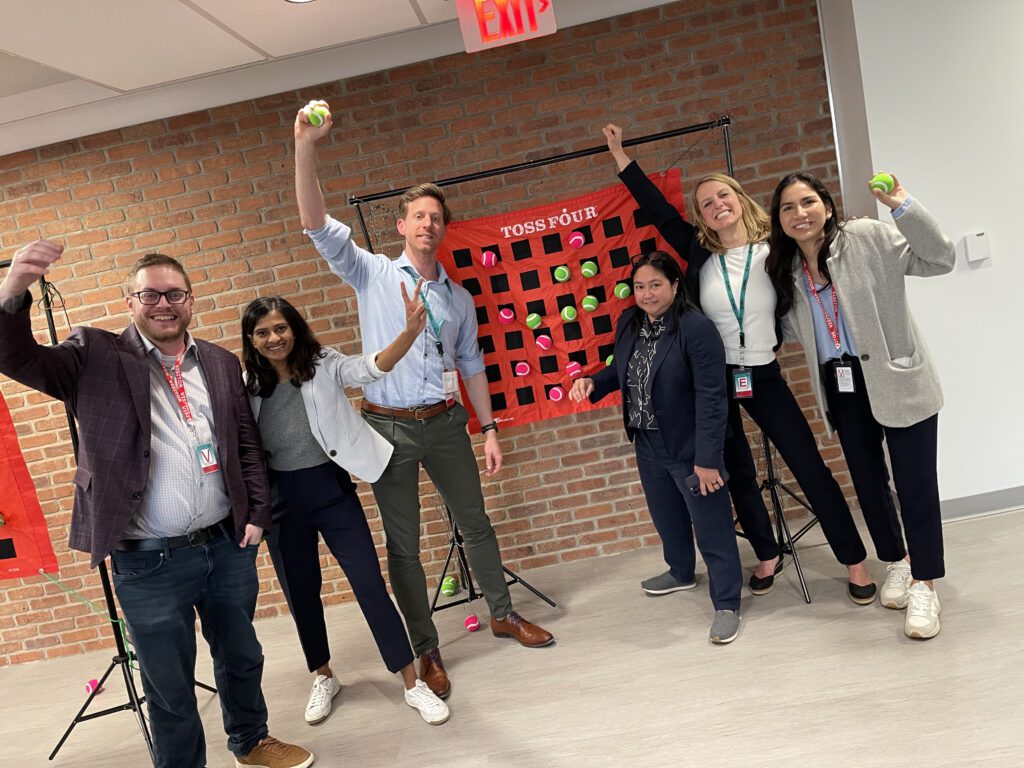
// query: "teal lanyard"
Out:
[434,323]
[741,310]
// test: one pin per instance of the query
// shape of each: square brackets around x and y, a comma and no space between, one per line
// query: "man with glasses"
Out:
[171,484]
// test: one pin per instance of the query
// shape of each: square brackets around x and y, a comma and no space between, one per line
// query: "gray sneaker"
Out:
[665,583]
[725,627]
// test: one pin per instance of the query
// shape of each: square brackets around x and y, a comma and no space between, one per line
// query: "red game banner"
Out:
[549,285]
[24,540]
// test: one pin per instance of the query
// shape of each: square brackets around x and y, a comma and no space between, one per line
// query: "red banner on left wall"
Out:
[24,539]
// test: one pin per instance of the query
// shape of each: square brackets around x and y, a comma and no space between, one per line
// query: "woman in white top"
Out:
[725,255]
[312,438]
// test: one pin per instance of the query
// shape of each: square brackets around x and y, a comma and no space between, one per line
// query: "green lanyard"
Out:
[741,310]
[434,324]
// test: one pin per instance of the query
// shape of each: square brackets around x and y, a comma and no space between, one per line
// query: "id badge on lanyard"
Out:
[742,378]
[844,378]
[206,454]
[742,383]
[451,384]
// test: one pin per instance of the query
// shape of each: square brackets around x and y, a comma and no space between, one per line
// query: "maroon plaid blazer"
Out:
[104,380]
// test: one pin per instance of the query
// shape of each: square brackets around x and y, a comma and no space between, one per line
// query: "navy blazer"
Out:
[104,379]
[688,390]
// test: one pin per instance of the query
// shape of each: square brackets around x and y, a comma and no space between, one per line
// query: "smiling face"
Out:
[273,338]
[423,226]
[720,208]
[162,323]
[654,292]
[803,214]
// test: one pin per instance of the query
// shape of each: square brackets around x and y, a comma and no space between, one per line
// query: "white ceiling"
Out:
[69,68]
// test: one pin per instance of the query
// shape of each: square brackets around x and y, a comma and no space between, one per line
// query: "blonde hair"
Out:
[755,220]
[424,190]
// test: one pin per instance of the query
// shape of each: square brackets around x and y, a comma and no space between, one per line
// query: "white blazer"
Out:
[347,440]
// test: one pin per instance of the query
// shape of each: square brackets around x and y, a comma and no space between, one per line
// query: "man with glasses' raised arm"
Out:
[171,484]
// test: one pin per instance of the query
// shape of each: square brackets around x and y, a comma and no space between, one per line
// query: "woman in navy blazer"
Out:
[669,364]
[313,438]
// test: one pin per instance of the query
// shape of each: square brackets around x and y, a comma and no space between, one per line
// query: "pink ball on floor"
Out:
[472,622]
[506,316]
[488,258]
[93,685]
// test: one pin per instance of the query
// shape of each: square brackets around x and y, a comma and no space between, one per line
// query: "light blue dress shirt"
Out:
[418,378]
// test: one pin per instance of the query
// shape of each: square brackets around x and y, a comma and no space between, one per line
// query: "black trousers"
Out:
[322,500]
[913,452]
[678,514]
[774,409]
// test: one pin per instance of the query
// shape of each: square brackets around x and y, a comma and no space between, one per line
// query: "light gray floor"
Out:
[633,680]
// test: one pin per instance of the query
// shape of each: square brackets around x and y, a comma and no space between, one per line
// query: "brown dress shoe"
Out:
[518,628]
[432,673]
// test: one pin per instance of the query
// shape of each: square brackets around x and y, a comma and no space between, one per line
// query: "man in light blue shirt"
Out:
[414,408]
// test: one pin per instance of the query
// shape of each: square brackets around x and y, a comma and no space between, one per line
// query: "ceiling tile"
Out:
[18,75]
[123,44]
[437,10]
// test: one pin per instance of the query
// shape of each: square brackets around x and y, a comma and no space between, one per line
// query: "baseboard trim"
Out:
[983,503]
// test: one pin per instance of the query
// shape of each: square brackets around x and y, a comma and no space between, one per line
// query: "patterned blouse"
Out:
[638,375]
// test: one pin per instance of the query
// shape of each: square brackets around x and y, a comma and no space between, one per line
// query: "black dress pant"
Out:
[913,452]
[322,500]
[774,409]
[678,514]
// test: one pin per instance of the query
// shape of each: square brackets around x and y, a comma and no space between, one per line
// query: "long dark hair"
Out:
[260,376]
[669,267]
[783,248]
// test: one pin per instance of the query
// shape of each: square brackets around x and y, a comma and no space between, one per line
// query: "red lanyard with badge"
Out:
[205,452]
[844,371]
[742,379]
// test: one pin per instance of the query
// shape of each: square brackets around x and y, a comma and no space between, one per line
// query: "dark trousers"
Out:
[441,444]
[774,409]
[913,452]
[678,515]
[322,500]
[160,593]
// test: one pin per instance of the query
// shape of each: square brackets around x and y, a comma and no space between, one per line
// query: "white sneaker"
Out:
[922,612]
[897,583]
[321,699]
[432,709]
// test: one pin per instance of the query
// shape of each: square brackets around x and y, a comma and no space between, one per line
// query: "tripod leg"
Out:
[88,701]
[444,571]
[517,579]
[786,541]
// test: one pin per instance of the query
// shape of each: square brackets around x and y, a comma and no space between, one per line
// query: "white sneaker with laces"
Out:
[321,699]
[922,612]
[897,584]
[432,709]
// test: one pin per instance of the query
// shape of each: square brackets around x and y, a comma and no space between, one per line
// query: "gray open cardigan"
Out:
[868,263]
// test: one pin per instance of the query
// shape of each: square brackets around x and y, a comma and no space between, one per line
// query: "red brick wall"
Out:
[214,188]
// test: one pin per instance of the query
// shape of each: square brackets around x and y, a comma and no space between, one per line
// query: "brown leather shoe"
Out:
[518,628]
[432,673]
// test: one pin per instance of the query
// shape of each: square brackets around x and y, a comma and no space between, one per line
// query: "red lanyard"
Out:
[177,383]
[833,331]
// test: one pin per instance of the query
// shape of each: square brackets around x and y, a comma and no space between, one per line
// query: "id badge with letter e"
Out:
[742,383]
[844,379]
[207,456]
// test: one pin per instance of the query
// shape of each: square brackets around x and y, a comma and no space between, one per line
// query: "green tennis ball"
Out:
[589,303]
[623,291]
[609,360]
[588,268]
[533,320]
[562,273]
[883,181]
[569,314]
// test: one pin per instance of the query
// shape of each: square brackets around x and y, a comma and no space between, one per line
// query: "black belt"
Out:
[194,539]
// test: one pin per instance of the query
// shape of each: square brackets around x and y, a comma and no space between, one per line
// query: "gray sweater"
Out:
[868,263]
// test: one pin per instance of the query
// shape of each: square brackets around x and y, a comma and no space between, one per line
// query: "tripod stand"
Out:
[787,540]
[456,546]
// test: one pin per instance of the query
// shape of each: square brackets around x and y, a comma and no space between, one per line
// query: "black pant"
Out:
[913,452]
[678,514]
[323,500]
[774,409]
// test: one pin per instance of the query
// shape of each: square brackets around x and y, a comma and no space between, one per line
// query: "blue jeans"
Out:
[160,593]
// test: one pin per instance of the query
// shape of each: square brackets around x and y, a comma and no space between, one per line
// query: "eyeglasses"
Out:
[153,297]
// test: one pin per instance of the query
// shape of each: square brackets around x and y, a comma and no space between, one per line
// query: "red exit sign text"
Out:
[490,23]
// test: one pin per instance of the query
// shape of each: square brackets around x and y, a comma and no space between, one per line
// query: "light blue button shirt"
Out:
[822,338]
[418,377]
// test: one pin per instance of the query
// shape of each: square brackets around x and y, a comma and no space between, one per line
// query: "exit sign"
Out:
[490,23]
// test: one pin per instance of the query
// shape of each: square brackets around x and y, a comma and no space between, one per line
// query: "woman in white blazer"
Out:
[313,439]
[842,293]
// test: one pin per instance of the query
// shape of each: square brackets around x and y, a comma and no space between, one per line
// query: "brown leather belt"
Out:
[420,412]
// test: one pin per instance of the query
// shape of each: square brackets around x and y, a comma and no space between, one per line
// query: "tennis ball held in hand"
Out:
[883,182]
[317,113]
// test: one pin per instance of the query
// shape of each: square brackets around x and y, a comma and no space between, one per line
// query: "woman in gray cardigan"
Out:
[842,294]
[313,438]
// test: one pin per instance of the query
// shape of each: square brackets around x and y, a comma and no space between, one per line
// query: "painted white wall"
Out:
[944,96]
